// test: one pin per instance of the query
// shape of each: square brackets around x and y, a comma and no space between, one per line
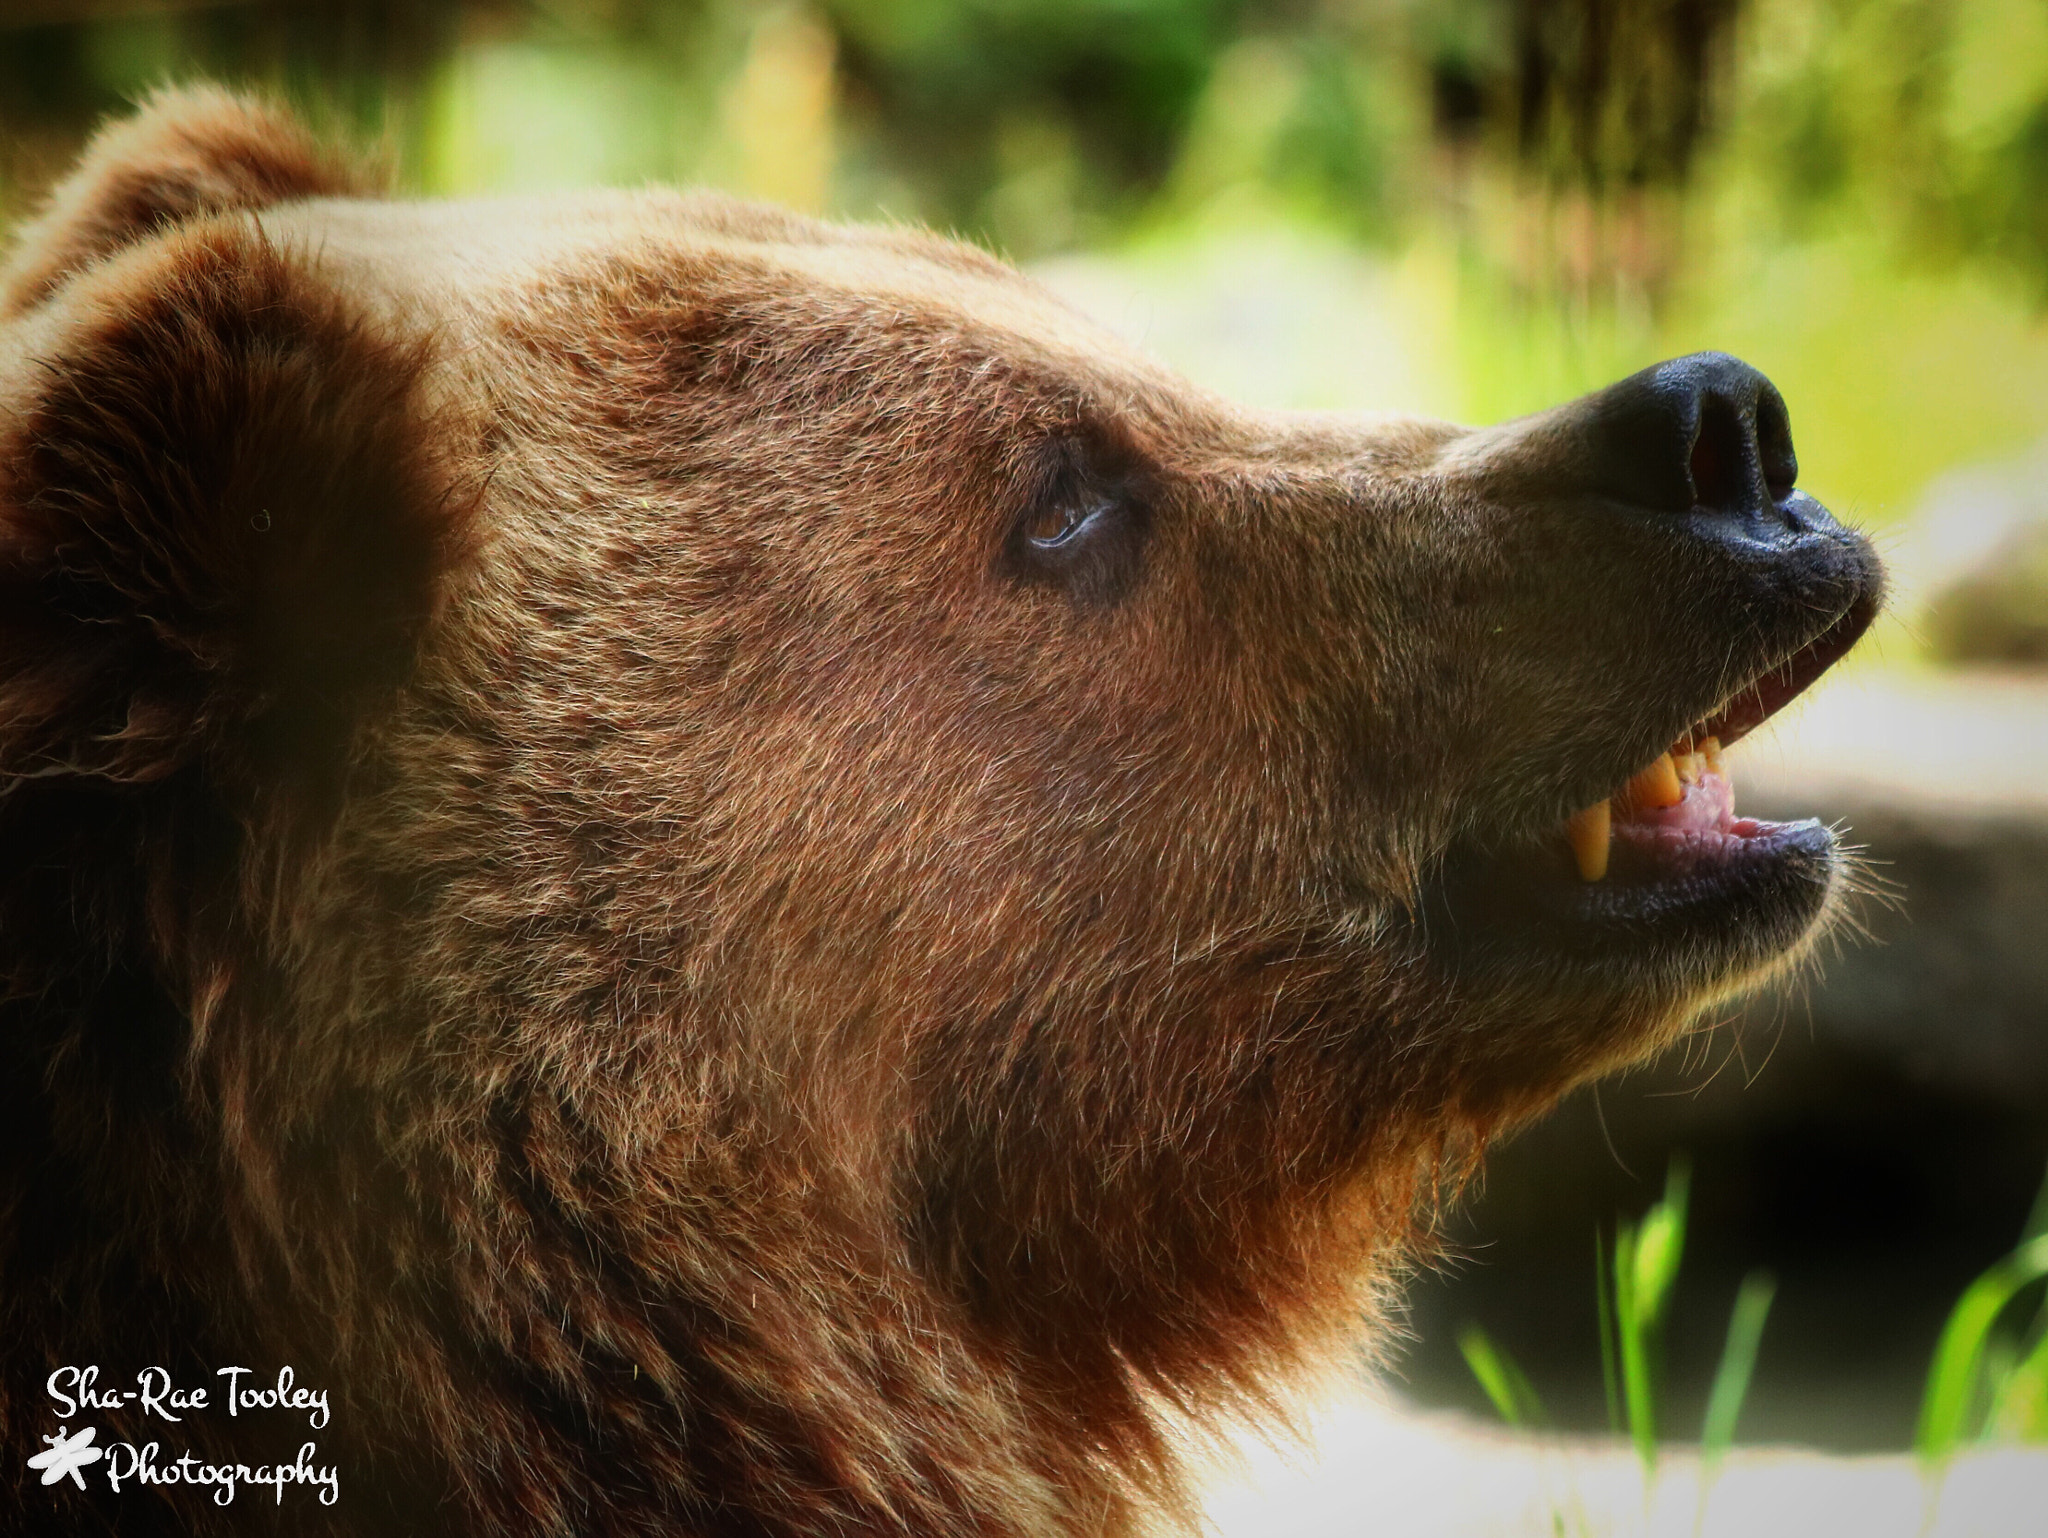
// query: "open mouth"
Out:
[1664,872]
[1675,818]
[1675,490]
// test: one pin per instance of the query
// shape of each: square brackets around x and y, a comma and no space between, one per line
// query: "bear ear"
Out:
[224,511]
[186,154]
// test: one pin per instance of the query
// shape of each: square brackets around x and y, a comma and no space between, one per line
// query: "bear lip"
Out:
[1695,895]
[1770,693]
[1676,815]
[1685,909]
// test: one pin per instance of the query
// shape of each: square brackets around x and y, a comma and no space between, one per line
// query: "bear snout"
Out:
[1704,433]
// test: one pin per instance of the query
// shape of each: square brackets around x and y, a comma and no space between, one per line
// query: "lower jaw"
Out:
[1682,917]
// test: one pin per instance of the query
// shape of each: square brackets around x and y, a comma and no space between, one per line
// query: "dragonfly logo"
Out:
[67,1455]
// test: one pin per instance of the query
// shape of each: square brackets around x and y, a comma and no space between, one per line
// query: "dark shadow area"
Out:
[1873,1192]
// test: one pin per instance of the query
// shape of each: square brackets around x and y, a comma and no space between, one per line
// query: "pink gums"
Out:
[1707,806]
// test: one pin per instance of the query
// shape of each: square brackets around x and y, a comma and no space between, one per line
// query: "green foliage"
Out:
[1504,1381]
[944,81]
[1926,120]
[1980,1386]
[1737,1365]
[1987,1382]
[1633,1283]
[1610,1365]
[1645,1266]
[1043,122]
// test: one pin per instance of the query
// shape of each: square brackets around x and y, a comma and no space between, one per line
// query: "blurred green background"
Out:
[1470,208]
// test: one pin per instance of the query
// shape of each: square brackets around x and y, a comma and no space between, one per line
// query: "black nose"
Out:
[1705,431]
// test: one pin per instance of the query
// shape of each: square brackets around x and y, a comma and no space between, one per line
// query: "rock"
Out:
[1998,613]
[1973,562]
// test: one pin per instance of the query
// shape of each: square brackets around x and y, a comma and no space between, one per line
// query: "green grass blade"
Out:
[1738,1362]
[1638,1389]
[2037,1217]
[1952,1377]
[1995,1368]
[2019,1412]
[1660,1245]
[1646,1260]
[1610,1378]
[1504,1381]
[2029,1385]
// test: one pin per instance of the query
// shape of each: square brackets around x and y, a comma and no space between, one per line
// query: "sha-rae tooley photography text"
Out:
[77,1393]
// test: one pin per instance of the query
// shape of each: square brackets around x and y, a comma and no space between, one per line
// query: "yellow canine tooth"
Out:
[1657,785]
[1715,762]
[1589,832]
[1690,766]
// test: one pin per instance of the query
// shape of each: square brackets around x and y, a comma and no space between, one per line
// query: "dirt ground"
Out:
[1374,1468]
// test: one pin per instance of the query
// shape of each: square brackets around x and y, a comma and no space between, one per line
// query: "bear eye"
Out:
[1050,527]
[1083,528]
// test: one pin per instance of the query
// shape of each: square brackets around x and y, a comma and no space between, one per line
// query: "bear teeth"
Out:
[1655,786]
[1591,832]
[1658,786]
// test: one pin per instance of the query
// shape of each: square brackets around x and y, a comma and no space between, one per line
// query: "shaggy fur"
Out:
[569,870]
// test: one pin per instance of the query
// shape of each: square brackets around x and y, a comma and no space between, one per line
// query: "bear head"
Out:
[745,879]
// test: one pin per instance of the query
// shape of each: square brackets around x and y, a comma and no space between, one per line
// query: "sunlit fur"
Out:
[553,879]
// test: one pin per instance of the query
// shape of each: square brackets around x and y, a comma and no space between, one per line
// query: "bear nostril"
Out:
[1774,444]
[1701,433]
[1721,457]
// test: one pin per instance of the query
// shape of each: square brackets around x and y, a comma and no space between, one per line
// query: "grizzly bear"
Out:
[665,868]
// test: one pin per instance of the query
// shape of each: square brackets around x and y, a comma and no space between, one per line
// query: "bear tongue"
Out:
[1680,793]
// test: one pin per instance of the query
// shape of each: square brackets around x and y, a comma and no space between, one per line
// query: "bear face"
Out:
[745,880]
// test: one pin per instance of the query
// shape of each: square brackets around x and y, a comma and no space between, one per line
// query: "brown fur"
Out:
[561,877]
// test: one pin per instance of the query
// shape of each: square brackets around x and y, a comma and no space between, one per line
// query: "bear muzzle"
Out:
[1681,479]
